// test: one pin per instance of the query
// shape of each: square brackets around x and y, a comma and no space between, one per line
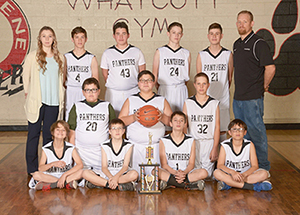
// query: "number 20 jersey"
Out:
[173,66]
[123,67]
[201,118]
[92,123]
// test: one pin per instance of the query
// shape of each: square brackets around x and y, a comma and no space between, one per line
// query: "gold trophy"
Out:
[149,150]
[149,183]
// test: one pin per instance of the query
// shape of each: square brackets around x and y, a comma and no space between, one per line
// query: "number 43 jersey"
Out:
[92,123]
[123,67]
[173,66]
[201,118]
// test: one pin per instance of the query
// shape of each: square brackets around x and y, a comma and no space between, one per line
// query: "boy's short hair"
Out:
[78,30]
[116,121]
[180,113]
[215,26]
[238,122]
[145,72]
[63,123]
[173,24]
[201,74]
[120,25]
[246,12]
[89,81]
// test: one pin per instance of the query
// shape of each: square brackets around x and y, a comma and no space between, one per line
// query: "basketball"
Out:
[148,115]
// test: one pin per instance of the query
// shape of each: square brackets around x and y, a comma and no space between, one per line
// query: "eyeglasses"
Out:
[116,128]
[146,80]
[237,129]
[94,90]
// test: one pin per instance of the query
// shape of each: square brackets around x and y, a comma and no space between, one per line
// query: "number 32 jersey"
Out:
[78,68]
[173,66]
[123,67]
[201,118]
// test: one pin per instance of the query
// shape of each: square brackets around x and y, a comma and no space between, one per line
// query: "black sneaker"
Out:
[198,185]
[130,186]
[91,186]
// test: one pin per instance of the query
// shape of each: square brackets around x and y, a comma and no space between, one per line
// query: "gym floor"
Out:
[284,153]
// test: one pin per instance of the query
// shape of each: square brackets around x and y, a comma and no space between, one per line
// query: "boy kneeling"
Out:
[177,153]
[116,155]
[237,163]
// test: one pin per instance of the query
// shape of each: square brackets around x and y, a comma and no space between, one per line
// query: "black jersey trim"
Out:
[201,106]
[215,56]
[92,104]
[175,144]
[109,144]
[155,95]
[230,144]
[51,147]
[173,49]
[78,58]
[125,50]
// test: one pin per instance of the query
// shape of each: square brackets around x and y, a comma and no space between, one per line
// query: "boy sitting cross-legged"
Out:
[237,163]
[116,155]
[57,168]
[177,153]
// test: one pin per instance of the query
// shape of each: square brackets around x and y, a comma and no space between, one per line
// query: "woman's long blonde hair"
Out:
[41,55]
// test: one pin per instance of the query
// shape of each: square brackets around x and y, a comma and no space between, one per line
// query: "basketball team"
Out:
[189,135]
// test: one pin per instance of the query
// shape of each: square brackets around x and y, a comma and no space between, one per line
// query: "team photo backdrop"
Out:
[276,21]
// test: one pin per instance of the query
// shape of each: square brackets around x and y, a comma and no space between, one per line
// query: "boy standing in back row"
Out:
[217,63]
[120,66]
[80,65]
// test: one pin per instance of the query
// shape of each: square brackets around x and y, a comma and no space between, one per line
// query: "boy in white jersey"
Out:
[120,66]
[177,153]
[56,168]
[80,65]
[237,163]
[203,123]
[217,63]
[116,155]
[171,68]
[138,134]
[88,122]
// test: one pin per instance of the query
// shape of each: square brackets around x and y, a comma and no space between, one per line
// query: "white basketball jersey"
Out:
[123,67]
[52,157]
[173,66]
[78,68]
[92,124]
[115,160]
[216,67]
[136,132]
[201,119]
[238,162]
[178,156]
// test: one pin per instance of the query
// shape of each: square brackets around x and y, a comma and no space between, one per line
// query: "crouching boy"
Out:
[116,155]
[237,163]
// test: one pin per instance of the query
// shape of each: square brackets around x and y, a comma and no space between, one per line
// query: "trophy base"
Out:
[149,192]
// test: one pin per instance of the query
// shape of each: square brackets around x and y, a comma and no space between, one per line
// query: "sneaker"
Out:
[130,186]
[162,185]
[43,186]
[198,185]
[89,185]
[72,185]
[265,185]
[223,186]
